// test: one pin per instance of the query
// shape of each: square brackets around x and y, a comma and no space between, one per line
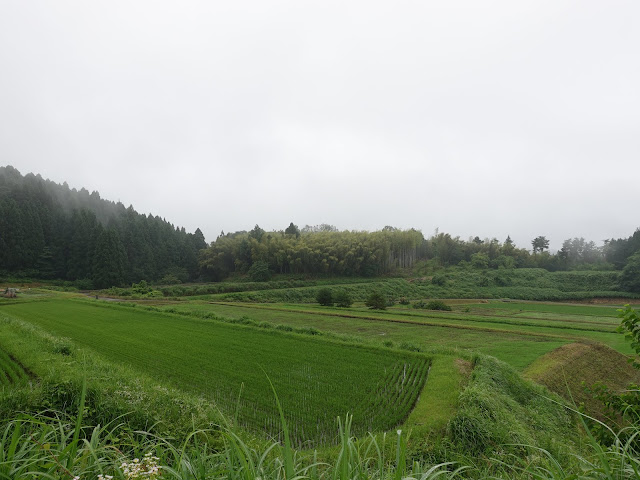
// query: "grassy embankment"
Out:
[453,282]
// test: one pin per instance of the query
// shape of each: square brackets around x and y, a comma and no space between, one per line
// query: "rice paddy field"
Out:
[515,332]
[401,366]
[317,380]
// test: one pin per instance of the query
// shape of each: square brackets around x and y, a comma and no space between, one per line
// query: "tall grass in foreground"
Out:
[50,446]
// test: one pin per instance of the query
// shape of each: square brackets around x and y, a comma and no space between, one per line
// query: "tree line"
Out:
[324,250]
[49,231]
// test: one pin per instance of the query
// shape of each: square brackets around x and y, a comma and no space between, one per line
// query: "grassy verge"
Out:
[437,404]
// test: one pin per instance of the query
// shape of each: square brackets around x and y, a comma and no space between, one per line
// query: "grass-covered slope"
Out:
[567,370]
[502,411]
[453,282]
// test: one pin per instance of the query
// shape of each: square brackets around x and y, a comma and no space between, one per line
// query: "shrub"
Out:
[376,301]
[84,284]
[437,305]
[343,299]
[403,301]
[480,260]
[170,279]
[324,297]
[630,277]
[259,272]
[140,288]
[439,280]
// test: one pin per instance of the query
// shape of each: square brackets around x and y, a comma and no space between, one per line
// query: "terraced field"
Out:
[517,333]
[223,351]
[316,380]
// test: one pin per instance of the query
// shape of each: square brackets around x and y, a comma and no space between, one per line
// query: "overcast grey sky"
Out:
[475,117]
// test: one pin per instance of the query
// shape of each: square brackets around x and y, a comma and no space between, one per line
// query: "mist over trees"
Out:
[50,231]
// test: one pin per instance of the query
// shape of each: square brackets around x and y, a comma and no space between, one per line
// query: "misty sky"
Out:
[481,118]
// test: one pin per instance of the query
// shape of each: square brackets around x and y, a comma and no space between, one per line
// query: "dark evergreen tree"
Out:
[292,230]
[51,231]
[109,260]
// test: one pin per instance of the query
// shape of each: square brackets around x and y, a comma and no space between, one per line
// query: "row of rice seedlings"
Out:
[396,395]
[11,372]
[380,408]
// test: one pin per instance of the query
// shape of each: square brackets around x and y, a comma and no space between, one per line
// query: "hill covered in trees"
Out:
[50,231]
[325,250]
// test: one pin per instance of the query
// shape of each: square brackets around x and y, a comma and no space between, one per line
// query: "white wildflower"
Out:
[146,468]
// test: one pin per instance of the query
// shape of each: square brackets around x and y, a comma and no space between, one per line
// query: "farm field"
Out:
[403,368]
[316,380]
[517,334]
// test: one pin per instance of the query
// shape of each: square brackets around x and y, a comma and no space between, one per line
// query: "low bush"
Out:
[437,305]
[259,272]
[343,299]
[376,301]
[325,297]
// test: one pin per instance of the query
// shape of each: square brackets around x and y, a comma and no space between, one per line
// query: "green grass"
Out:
[438,403]
[498,421]
[584,310]
[473,406]
[460,282]
[316,380]
[513,339]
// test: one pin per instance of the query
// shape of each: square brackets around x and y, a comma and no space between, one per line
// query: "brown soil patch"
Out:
[464,367]
[612,301]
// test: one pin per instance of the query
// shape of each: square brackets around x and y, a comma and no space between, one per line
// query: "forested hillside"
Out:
[325,250]
[50,231]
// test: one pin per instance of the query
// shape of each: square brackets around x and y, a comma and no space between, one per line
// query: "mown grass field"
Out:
[317,380]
